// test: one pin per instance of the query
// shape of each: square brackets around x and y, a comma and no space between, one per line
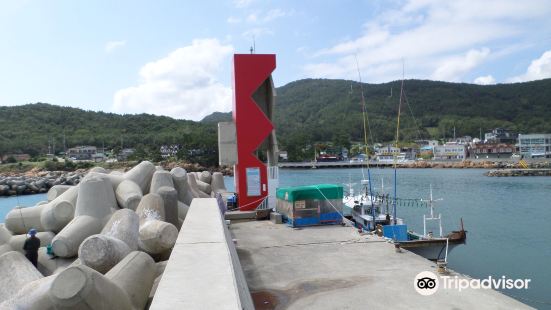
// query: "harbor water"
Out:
[507,219]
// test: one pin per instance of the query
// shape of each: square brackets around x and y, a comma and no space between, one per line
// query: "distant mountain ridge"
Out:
[306,111]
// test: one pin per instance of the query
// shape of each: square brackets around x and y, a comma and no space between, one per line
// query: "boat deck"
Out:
[334,267]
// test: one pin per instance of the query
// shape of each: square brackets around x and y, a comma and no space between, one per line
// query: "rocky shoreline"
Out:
[519,173]
[37,182]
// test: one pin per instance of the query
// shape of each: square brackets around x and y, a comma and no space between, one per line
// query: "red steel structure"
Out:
[252,126]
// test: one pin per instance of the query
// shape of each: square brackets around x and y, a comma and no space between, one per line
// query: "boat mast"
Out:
[397,138]
[365,125]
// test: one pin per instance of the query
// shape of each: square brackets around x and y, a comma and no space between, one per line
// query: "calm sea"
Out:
[507,218]
[7,203]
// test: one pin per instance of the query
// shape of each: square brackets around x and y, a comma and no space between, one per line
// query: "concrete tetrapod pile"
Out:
[100,239]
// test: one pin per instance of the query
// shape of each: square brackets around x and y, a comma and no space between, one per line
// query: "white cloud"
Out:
[242,3]
[539,69]
[233,20]
[184,84]
[433,37]
[113,45]
[453,68]
[261,17]
[485,80]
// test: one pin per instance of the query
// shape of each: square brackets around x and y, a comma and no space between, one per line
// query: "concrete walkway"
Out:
[203,271]
[333,267]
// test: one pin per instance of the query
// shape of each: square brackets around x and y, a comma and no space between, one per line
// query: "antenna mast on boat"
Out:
[366,125]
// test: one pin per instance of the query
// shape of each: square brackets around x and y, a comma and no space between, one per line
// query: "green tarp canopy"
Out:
[320,192]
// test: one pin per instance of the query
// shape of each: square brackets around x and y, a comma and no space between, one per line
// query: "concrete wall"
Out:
[203,271]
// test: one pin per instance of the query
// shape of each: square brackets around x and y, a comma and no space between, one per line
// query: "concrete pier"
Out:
[334,267]
[203,252]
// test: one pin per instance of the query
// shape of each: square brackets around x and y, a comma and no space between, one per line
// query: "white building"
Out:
[387,153]
[450,151]
[535,145]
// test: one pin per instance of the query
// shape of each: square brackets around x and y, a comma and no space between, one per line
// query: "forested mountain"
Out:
[307,112]
[30,128]
[319,110]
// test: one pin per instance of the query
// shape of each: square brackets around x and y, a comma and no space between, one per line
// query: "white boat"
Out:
[362,207]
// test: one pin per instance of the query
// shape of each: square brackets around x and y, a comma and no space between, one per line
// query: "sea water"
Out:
[507,219]
[8,203]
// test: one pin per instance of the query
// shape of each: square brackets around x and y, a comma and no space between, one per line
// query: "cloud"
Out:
[485,80]
[257,32]
[433,37]
[539,69]
[242,3]
[233,20]
[263,17]
[453,68]
[183,84]
[113,45]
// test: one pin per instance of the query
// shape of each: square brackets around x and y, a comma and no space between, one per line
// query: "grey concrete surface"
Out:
[334,267]
[202,253]
[160,179]
[205,177]
[49,265]
[141,174]
[182,210]
[217,183]
[128,194]
[101,252]
[96,198]
[170,202]
[56,191]
[80,287]
[15,272]
[124,225]
[66,243]
[151,207]
[179,177]
[19,220]
[135,275]
[32,296]
[196,192]
[157,237]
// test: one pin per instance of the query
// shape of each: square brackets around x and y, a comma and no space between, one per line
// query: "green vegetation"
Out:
[28,128]
[318,110]
[307,112]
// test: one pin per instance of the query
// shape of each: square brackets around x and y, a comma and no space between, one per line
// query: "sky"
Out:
[174,57]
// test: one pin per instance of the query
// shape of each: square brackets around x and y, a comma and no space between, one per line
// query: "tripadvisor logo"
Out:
[427,283]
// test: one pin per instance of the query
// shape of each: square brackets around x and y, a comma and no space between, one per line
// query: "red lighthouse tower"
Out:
[253,103]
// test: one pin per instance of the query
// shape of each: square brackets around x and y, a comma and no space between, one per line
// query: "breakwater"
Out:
[518,173]
[104,242]
[26,184]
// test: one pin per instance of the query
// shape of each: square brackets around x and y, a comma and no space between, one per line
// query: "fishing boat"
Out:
[427,244]
[361,208]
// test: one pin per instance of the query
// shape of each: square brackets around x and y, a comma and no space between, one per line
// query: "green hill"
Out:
[320,110]
[29,128]
[307,111]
